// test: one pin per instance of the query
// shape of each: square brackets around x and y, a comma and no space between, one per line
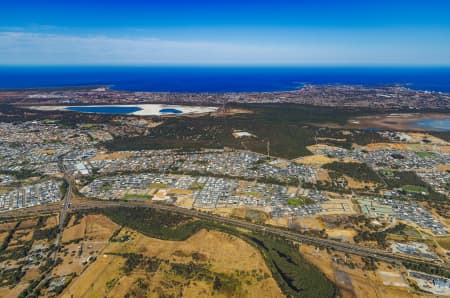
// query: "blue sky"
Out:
[225,32]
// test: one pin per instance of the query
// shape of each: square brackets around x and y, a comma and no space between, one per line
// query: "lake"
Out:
[115,110]
[136,110]
[433,124]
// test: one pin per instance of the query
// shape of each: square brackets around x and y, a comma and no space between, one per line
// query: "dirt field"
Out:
[392,279]
[312,223]
[344,235]
[185,202]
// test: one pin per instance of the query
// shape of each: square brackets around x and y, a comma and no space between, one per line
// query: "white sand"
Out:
[153,109]
[146,109]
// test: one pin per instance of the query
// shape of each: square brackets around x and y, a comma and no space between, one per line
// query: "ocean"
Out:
[221,79]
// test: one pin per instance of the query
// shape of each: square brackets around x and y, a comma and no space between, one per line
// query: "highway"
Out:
[376,254]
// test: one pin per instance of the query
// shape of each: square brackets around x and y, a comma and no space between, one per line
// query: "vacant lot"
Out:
[221,253]
[93,281]
[73,232]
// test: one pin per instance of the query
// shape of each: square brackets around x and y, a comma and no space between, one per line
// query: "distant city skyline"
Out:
[284,33]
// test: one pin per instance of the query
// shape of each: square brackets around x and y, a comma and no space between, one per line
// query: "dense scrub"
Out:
[413,185]
[158,224]
[289,128]
[357,171]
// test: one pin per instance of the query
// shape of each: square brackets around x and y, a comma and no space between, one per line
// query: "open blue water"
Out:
[220,79]
[434,124]
[104,109]
[170,111]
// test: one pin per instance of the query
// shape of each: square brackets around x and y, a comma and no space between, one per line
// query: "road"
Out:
[65,207]
[62,217]
[377,254]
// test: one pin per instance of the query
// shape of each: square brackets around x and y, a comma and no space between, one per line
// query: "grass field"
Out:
[414,189]
[425,154]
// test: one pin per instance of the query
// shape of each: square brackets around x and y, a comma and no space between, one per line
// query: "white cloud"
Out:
[38,48]
[28,48]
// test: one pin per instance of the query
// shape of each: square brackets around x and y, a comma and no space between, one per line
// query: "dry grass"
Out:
[30,223]
[317,160]
[51,222]
[7,292]
[382,146]
[92,283]
[225,253]
[418,137]
[95,230]
[72,262]
[46,151]
[99,227]
[179,192]
[73,232]
[21,235]
[363,283]
[444,243]
[278,222]
[184,202]
[315,147]
[356,184]
[112,155]
[31,274]
[443,167]
[24,235]
[3,236]
[323,175]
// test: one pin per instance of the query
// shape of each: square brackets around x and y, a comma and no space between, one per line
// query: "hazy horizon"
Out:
[201,33]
